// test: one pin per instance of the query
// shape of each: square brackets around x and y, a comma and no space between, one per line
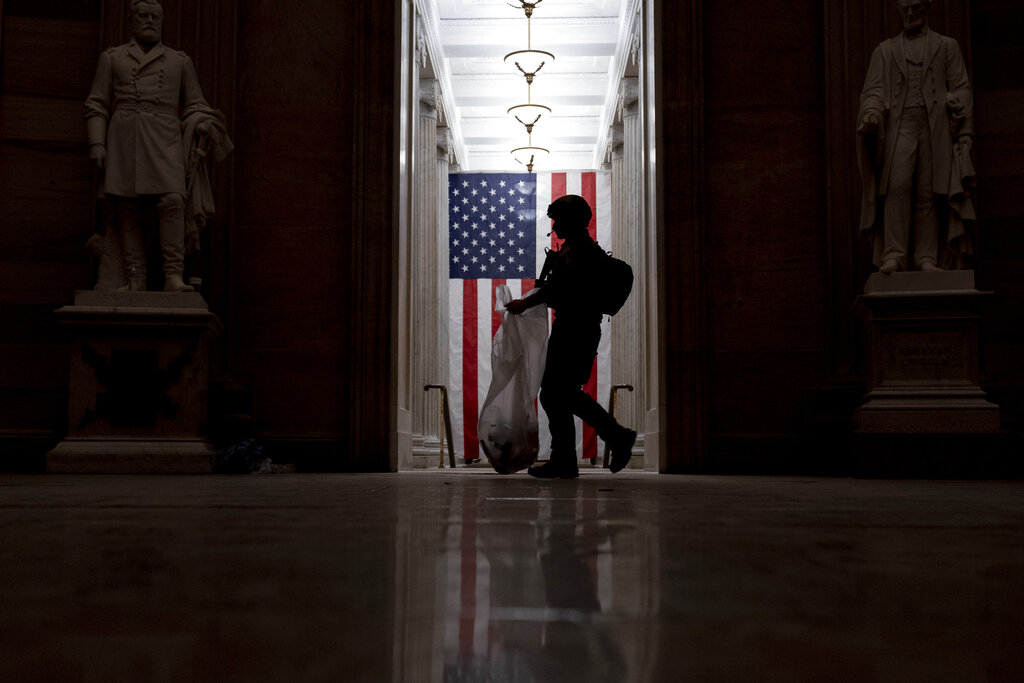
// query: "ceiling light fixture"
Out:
[529,61]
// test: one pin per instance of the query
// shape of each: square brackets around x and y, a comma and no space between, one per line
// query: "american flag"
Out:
[498,231]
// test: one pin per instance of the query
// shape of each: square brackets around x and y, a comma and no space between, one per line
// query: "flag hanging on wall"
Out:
[498,231]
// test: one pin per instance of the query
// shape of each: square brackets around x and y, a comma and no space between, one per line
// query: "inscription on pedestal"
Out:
[932,355]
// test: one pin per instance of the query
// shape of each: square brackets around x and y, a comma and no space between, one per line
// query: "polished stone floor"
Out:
[471,576]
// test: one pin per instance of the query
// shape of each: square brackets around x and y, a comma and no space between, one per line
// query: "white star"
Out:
[483,200]
[520,234]
[501,251]
[455,259]
[521,269]
[501,234]
[475,243]
[474,259]
[465,200]
[465,252]
[522,201]
[494,243]
[455,208]
[483,183]
[493,259]
[493,209]
[474,209]
[474,193]
[494,192]
[465,269]
[465,233]
[465,183]
[465,216]
[511,259]
[511,193]
[502,183]
[502,201]
[455,243]
[493,226]
[501,268]
[522,251]
[455,192]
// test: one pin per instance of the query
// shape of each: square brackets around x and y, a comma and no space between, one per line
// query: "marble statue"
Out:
[915,137]
[151,133]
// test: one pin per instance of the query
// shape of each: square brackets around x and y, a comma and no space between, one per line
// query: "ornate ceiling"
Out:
[591,41]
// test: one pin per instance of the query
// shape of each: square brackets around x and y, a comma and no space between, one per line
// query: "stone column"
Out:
[429,360]
[627,244]
[444,152]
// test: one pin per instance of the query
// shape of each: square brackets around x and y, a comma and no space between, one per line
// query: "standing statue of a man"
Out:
[915,130]
[150,131]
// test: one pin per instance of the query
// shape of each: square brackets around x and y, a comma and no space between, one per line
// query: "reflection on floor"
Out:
[471,576]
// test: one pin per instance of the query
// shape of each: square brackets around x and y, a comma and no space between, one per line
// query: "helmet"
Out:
[572,210]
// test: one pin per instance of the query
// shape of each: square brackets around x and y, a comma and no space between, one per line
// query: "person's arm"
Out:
[872,97]
[517,306]
[97,110]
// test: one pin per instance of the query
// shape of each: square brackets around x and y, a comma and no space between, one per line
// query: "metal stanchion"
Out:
[611,411]
[446,425]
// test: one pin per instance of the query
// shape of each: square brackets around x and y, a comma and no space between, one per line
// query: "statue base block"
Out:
[922,355]
[139,376]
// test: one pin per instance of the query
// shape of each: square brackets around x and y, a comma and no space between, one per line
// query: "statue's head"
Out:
[147,20]
[571,215]
[914,13]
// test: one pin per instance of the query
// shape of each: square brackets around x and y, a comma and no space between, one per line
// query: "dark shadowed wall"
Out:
[763,359]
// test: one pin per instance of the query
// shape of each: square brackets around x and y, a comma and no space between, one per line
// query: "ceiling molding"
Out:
[426,9]
[629,24]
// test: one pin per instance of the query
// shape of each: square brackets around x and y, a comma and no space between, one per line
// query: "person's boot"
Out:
[622,450]
[558,467]
[171,209]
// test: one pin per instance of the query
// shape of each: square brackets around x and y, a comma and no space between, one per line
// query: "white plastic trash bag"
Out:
[507,428]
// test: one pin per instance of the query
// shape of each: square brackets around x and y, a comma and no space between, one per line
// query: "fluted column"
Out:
[426,297]
[443,152]
[627,239]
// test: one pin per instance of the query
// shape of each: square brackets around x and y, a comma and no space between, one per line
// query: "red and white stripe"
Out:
[473,322]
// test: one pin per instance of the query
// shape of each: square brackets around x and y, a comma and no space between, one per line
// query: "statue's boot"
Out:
[133,248]
[171,209]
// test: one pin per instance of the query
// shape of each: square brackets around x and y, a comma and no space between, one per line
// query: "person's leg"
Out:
[896,216]
[171,210]
[556,392]
[926,222]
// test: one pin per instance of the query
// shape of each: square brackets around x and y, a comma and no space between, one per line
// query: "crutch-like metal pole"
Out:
[446,425]
[611,411]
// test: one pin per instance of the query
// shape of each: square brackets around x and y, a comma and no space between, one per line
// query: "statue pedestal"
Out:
[922,355]
[139,374]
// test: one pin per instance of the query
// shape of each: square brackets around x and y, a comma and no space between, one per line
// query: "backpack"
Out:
[608,280]
[614,283]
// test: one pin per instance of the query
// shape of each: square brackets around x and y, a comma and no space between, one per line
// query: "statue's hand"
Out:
[98,153]
[869,122]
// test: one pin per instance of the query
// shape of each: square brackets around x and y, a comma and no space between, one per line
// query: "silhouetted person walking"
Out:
[569,288]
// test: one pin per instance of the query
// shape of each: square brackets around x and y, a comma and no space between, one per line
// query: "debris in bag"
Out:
[508,429]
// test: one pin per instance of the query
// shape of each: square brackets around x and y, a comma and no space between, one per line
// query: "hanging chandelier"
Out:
[529,62]
[529,154]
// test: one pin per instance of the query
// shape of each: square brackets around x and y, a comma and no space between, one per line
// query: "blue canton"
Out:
[492,225]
